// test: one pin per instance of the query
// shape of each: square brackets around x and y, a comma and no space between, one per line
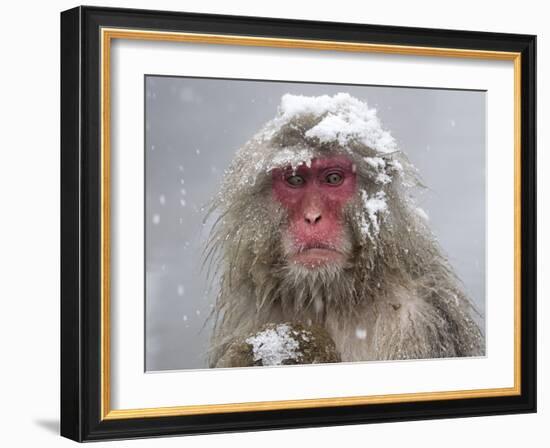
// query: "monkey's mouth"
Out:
[315,255]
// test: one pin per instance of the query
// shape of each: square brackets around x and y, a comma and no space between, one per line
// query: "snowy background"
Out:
[194,127]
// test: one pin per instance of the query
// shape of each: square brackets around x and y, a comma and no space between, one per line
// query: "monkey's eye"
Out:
[295,181]
[334,179]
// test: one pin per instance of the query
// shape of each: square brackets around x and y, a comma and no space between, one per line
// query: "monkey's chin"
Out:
[316,257]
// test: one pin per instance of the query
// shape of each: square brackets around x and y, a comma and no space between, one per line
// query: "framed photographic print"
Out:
[273,224]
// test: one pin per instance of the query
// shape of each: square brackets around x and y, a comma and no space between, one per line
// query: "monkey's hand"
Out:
[281,344]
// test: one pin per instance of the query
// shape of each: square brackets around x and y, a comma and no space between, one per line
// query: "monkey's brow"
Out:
[335,167]
[303,168]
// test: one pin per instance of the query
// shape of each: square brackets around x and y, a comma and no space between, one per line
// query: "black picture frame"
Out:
[81,380]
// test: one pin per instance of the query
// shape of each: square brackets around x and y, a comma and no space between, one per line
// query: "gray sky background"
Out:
[194,127]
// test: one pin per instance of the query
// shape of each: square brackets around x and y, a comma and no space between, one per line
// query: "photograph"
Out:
[291,223]
[277,224]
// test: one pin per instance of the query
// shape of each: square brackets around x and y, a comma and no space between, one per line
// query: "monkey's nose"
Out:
[312,217]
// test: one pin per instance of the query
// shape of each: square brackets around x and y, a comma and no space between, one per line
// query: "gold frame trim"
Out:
[107,35]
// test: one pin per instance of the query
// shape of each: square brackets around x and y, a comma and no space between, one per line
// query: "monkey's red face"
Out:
[314,198]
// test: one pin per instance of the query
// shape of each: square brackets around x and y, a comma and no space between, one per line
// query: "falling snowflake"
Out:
[360,333]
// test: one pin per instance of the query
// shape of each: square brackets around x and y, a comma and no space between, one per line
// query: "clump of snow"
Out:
[375,162]
[373,206]
[382,178]
[344,119]
[162,199]
[181,290]
[156,219]
[396,165]
[274,345]
[384,168]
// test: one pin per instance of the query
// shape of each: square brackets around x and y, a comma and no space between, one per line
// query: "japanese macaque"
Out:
[322,254]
